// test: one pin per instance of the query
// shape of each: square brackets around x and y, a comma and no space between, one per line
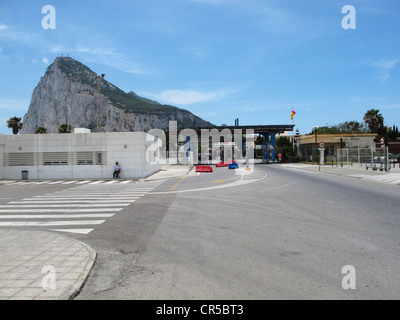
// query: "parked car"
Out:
[392,158]
[398,158]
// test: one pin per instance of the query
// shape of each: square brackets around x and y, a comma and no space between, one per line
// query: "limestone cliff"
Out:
[68,93]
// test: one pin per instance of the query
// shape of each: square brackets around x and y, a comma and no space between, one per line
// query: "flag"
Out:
[292,115]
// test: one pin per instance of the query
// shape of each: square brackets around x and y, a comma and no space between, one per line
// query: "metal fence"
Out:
[361,157]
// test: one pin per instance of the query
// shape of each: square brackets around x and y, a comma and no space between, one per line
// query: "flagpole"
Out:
[293,135]
[293,132]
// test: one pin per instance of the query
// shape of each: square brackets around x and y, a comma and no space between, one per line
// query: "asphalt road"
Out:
[286,235]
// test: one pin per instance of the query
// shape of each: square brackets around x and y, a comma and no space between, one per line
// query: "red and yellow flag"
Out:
[292,114]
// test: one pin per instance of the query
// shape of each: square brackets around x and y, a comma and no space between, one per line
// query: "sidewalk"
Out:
[40,265]
[392,176]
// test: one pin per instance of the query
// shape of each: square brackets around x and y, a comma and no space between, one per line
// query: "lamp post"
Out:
[341,152]
[316,143]
[99,111]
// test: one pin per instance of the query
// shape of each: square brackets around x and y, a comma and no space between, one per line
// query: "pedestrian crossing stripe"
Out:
[97,201]
[49,223]
[79,231]
[65,182]
[55,216]
[43,205]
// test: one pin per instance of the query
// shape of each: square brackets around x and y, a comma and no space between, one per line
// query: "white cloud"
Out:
[212,1]
[105,55]
[384,68]
[45,60]
[386,64]
[184,97]
[18,36]
[249,108]
[13,105]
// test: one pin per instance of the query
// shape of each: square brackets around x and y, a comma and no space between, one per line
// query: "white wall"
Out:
[128,148]
[359,141]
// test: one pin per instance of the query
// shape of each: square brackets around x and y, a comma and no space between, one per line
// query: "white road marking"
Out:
[59,210]
[35,201]
[79,231]
[5,206]
[56,216]
[49,223]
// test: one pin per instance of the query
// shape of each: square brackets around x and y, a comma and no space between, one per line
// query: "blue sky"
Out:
[220,59]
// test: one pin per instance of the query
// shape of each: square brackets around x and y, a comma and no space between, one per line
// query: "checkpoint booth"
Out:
[269,133]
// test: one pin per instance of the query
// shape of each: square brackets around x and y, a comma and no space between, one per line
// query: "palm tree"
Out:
[64,128]
[40,130]
[374,121]
[15,124]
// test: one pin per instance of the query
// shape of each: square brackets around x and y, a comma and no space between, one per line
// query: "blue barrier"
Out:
[233,166]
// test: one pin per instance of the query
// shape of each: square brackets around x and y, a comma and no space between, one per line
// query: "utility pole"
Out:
[386,150]
[316,143]
[341,152]
[99,111]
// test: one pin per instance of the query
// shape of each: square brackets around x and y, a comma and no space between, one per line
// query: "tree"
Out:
[40,130]
[344,127]
[374,121]
[351,127]
[393,132]
[284,145]
[15,124]
[64,128]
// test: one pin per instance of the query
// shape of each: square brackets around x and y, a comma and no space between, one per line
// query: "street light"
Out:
[316,143]
[341,152]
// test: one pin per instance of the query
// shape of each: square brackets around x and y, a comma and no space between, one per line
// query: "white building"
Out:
[76,155]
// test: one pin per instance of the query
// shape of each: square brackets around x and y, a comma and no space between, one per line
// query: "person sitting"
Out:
[117,170]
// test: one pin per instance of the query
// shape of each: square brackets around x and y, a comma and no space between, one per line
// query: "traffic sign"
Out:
[382,141]
[322,145]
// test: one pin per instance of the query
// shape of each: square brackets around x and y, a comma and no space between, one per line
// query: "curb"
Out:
[80,282]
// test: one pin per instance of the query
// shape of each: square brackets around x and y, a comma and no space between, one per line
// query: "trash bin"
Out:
[24,175]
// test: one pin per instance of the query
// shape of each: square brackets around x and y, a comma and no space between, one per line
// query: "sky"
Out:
[220,59]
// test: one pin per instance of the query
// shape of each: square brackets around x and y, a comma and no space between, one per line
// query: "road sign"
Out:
[382,141]
[322,145]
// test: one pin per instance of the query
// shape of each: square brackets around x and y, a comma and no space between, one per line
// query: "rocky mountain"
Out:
[68,93]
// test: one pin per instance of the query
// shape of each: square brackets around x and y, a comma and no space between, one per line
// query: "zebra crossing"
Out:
[391,178]
[62,182]
[74,210]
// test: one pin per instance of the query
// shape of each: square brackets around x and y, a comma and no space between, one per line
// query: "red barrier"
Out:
[204,169]
[224,164]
